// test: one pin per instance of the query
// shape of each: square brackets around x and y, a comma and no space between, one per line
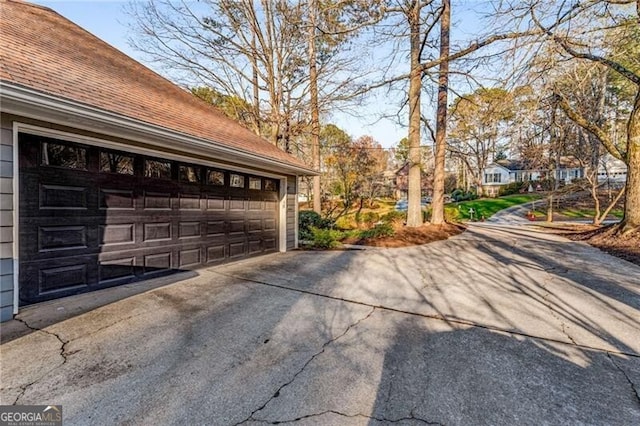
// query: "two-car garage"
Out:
[92,217]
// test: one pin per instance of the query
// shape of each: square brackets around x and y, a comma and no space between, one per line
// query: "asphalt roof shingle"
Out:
[42,50]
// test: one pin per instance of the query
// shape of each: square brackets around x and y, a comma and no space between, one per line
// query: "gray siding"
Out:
[292,220]
[6,219]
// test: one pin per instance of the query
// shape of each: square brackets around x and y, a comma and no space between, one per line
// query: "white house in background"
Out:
[504,172]
[612,170]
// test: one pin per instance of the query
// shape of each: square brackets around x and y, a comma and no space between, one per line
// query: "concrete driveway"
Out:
[498,326]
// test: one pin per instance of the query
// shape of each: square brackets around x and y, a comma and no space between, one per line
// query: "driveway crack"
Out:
[554,314]
[626,376]
[304,366]
[63,353]
[411,417]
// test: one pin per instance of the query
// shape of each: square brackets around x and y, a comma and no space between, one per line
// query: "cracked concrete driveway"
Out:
[499,325]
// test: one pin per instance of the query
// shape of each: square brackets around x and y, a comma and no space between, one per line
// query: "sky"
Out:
[108,20]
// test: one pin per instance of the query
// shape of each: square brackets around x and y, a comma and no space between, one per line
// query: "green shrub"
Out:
[309,219]
[512,188]
[325,238]
[458,195]
[394,217]
[369,218]
[378,231]
[345,223]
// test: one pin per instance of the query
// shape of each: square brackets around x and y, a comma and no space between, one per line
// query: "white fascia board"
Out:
[33,104]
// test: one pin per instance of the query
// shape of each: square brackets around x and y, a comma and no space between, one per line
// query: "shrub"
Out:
[345,222]
[369,218]
[394,217]
[457,195]
[460,195]
[309,219]
[512,188]
[325,238]
[378,231]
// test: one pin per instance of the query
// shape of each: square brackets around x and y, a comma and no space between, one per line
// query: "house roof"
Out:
[43,51]
[513,164]
[565,162]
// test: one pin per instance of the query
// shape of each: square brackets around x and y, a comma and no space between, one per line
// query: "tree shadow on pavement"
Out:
[475,376]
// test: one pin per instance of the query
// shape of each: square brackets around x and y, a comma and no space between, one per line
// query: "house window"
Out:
[270,185]
[255,183]
[215,177]
[492,177]
[190,174]
[63,155]
[157,169]
[237,181]
[111,162]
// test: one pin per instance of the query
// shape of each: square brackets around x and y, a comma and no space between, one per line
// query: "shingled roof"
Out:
[43,51]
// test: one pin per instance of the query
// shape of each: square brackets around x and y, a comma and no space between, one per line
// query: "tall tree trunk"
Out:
[315,114]
[437,216]
[631,219]
[256,87]
[414,211]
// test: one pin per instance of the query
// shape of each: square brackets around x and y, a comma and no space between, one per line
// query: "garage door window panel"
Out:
[270,185]
[236,181]
[255,183]
[190,174]
[112,162]
[64,155]
[157,169]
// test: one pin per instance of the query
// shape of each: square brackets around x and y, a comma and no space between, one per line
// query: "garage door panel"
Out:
[215,203]
[216,227]
[157,262]
[189,257]
[64,197]
[117,233]
[159,231]
[255,246]
[63,278]
[54,238]
[237,249]
[189,202]
[254,225]
[216,252]
[255,205]
[269,244]
[192,229]
[157,200]
[237,204]
[116,199]
[236,227]
[269,224]
[118,270]
[57,277]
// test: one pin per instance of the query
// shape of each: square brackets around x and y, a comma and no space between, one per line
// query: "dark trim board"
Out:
[87,223]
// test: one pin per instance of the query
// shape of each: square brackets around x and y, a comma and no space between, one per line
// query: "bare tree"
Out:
[605,32]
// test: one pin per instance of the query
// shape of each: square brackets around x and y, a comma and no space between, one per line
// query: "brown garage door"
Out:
[92,218]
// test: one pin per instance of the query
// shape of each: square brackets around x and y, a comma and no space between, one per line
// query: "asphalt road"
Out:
[498,326]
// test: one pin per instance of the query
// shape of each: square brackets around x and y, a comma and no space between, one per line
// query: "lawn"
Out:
[485,207]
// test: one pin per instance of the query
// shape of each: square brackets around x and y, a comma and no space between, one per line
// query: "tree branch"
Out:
[589,126]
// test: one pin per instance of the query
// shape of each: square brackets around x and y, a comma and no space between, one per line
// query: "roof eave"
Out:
[26,102]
